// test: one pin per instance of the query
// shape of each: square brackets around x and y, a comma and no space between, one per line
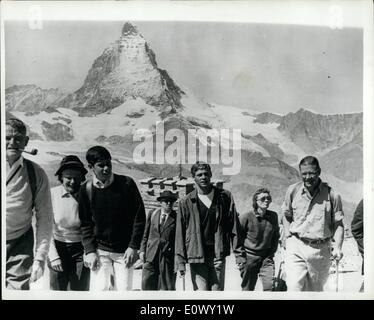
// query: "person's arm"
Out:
[139,217]
[357,226]
[237,234]
[338,225]
[180,238]
[287,215]
[43,215]
[54,258]
[276,235]
[143,246]
[240,254]
[87,223]
[91,258]
[43,225]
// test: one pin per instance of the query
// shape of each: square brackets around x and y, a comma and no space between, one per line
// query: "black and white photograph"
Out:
[168,149]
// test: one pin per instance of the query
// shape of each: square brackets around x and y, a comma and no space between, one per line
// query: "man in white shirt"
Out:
[22,200]
[207,222]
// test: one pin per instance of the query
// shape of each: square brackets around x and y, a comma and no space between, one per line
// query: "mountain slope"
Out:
[31,98]
[315,132]
[125,71]
[346,162]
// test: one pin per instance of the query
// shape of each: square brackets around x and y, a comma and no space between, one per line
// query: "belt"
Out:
[311,242]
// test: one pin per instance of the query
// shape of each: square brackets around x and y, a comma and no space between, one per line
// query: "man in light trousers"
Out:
[312,216]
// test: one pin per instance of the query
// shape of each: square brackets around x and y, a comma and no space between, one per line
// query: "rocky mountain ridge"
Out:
[316,132]
[31,98]
[125,70]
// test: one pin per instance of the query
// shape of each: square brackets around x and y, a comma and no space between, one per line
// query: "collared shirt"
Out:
[19,206]
[314,217]
[163,213]
[99,184]
[13,169]
[66,226]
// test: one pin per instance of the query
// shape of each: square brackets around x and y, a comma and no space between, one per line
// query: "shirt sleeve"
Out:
[87,223]
[286,208]
[237,234]
[180,238]
[43,215]
[139,220]
[337,208]
[276,235]
[143,245]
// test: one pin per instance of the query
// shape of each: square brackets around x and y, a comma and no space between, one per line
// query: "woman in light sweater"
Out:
[67,270]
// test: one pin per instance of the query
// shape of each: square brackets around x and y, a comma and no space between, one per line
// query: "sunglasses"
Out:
[264,199]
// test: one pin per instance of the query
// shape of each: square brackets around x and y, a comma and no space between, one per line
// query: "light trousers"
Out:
[112,266]
[307,266]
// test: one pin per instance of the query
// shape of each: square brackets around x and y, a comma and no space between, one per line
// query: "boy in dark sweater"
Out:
[112,217]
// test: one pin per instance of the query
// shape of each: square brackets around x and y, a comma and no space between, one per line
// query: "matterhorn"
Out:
[127,69]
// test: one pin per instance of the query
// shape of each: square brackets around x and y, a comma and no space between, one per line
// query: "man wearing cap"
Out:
[157,248]
[26,195]
[312,216]
[67,270]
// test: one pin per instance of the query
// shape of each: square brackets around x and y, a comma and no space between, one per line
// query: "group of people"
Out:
[91,231]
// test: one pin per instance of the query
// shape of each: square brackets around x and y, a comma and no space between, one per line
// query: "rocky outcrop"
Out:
[315,132]
[57,131]
[126,69]
[346,162]
[31,98]
[272,148]
[267,117]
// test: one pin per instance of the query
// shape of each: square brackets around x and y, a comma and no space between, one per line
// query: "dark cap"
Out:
[167,195]
[71,161]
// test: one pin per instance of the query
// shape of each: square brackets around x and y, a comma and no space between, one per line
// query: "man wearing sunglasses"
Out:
[312,216]
[261,234]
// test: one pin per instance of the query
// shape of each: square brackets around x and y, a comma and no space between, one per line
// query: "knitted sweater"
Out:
[115,218]
[19,207]
[261,234]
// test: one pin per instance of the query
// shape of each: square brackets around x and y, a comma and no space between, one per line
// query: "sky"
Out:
[263,67]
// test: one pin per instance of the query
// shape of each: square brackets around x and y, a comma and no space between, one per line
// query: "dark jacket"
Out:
[115,218]
[357,226]
[158,239]
[188,242]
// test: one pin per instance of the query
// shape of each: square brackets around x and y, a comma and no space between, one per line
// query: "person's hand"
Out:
[337,254]
[240,265]
[91,260]
[57,265]
[284,239]
[142,256]
[37,270]
[130,256]
[181,273]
